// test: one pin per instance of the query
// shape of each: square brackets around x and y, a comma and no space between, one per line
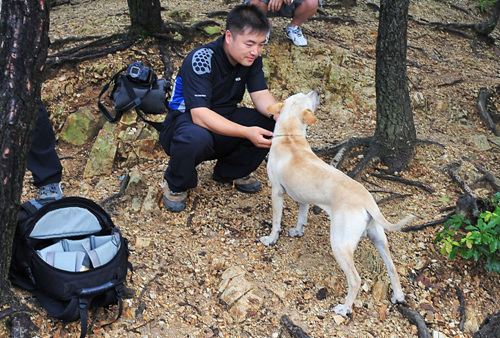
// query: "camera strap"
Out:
[101,107]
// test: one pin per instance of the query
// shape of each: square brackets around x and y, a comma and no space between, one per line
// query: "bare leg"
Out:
[304,11]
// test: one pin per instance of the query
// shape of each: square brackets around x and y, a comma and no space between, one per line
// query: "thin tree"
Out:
[23,50]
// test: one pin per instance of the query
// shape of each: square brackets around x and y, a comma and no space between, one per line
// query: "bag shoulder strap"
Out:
[135,101]
[133,104]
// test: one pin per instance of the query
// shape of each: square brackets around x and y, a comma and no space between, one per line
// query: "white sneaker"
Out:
[295,34]
[267,37]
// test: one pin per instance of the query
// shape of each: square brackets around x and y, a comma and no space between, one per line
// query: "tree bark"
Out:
[24,29]
[145,16]
[395,130]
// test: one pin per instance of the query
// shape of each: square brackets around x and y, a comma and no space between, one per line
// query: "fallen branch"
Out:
[483,110]
[416,319]
[489,177]
[334,19]
[142,306]
[293,330]
[428,224]
[119,193]
[451,170]
[462,307]
[393,196]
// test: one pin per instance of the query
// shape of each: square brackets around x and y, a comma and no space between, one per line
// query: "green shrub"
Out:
[481,240]
[484,6]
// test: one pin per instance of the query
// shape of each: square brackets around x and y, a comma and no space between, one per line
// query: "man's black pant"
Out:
[188,145]
[43,161]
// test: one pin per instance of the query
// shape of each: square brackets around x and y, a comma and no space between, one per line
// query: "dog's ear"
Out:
[308,116]
[275,108]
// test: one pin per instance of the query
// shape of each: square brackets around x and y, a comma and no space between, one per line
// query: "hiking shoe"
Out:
[295,34]
[51,190]
[247,184]
[174,201]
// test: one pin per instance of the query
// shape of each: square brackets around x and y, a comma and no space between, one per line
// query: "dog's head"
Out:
[299,105]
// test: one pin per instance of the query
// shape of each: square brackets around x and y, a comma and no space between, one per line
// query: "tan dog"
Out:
[293,168]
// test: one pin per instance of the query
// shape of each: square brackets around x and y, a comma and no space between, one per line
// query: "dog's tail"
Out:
[380,219]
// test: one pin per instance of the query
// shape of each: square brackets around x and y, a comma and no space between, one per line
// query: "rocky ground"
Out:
[203,272]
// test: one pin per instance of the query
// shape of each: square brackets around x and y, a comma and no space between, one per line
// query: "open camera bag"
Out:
[54,236]
[144,94]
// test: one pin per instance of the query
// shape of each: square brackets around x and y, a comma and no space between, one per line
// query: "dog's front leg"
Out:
[277,201]
[298,231]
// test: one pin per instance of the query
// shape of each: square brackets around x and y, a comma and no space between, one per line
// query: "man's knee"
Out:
[309,5]
[262,5]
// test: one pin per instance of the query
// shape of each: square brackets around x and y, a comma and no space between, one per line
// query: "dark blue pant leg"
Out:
[238,157]
[188,145]
[43,161]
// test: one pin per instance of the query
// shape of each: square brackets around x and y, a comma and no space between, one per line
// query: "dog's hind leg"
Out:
[377,236]
[298,231]
[344,239]
[277,197]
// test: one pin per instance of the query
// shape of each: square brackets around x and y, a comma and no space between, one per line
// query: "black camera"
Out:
[138,72]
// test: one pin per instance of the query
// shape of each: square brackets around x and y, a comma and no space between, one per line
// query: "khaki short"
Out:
[285,10]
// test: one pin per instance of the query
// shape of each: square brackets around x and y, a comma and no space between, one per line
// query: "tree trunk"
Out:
[24,29]
[395,131]
[145,16]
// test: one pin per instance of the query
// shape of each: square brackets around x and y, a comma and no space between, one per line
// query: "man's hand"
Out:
[275,5]
[256,136]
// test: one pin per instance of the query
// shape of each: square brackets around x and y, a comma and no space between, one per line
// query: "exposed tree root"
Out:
[416,319]
[490,327]
[100,46]
[80,53]
[292,329]
[405,181]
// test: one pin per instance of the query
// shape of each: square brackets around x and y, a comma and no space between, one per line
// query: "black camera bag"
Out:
[144,93]
[67,295]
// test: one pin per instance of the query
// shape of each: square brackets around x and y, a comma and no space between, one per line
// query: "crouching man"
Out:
[204,121]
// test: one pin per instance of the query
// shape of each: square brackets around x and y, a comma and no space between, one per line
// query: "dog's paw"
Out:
[398,299]
[342,310]
[295,233]
[267,240]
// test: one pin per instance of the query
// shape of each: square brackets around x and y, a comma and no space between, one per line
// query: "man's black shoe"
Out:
[174,201]
[247,184]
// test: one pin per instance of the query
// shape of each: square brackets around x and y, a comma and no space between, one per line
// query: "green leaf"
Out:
[453,252]
[465,253]
[444,199]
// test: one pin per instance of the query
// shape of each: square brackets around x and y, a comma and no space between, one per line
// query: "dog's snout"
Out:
[314,95]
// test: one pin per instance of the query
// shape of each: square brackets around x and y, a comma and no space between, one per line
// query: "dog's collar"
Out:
[287,135]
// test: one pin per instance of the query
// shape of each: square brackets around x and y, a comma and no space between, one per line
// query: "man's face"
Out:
[244,48]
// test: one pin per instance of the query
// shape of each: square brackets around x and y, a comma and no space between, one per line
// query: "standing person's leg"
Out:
[302,11]
[43,160]
[238,157]
[187,145]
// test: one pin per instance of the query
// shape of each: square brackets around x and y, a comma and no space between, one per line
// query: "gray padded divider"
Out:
[66,222]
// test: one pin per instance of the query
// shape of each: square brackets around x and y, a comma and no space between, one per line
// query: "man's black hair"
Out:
[243,17]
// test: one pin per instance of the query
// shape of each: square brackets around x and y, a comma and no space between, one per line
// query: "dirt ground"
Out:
[179,258]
